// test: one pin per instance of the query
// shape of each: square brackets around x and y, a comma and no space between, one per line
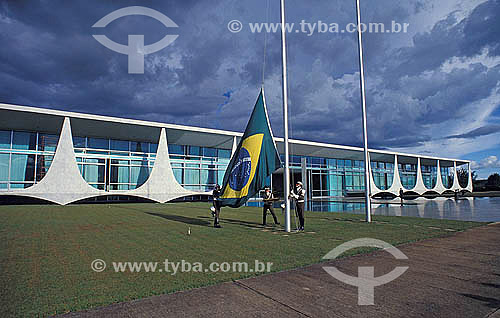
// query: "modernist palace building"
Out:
[65,157]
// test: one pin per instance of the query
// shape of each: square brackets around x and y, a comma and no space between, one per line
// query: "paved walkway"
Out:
[456,276]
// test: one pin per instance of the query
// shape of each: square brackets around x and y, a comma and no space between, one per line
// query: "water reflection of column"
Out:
[431,209]
[465,208]
[440,206]
[420,204]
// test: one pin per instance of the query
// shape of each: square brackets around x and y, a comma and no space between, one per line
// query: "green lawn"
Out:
[46,251]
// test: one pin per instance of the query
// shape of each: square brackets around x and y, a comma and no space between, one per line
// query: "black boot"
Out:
[216,223]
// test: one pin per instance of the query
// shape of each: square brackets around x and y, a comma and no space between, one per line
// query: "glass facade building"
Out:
[115,155]
[109,164]
[25,158]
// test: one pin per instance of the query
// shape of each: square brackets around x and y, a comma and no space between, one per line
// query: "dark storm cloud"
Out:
[50,59]
[482,131]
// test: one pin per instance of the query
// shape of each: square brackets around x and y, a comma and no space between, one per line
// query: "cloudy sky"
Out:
[433,90]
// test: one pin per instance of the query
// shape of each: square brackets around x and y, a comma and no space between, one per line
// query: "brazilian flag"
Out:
[254,160]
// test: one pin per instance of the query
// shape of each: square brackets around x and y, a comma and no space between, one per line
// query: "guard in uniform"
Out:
[268,205]
[216,194]
[299,194]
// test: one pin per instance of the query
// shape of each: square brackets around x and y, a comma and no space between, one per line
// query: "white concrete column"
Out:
[161,186]
[373,187]
[439,188]
[235,146]
[469,181]
[419,184]
[396,181]
[63,182]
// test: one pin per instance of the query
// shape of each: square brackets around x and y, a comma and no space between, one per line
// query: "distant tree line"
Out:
[490,184]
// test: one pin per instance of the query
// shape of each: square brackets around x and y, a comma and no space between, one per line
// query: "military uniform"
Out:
[299,194]
[217,204]
[268,205]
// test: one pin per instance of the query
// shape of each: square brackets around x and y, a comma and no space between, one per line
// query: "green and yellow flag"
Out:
[255,159]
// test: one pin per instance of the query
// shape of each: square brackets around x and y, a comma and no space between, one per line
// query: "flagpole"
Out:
[363,105]
[286,173]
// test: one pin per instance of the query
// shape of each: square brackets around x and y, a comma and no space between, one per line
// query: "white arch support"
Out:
[63,182]
[456,184]
[419,184]
[469,180]
[439,187]
[396,181]
[161,185]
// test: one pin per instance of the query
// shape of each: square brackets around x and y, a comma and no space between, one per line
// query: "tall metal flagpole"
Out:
[286,173]
[363,103]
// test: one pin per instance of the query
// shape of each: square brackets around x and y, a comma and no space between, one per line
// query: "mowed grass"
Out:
[46,251]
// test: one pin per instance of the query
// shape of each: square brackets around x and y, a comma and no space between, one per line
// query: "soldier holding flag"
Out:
[299,195]
[268,205]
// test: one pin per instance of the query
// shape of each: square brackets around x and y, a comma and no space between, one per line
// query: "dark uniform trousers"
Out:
[268,206]
[299,207]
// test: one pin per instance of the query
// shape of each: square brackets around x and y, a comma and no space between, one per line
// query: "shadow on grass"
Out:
[238,222]
[182,219]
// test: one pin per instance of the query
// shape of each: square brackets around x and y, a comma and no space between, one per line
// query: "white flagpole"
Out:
[363,103]
[286,173]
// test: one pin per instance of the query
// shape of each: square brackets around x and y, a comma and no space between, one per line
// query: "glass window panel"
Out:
[153,148]
[178,175]
[24,140]
[98,143]
[3,186]
[42,166]
[123,175]
[94,173]
[194,151]
[209,152]
[120,145]
[176,149]
[47,142]
[20,185]
[23,168]
[95,160]
[137,146]
[4,139]
[224,153]
[208,177]
[191,176]
[4,166]
[220,176]
[79,142]
[139,175]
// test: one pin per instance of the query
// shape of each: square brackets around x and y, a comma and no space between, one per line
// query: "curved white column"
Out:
[469,181]
[419,184]
[235,146]
[439,187]
[396,180]
[161,186]
[63,182]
